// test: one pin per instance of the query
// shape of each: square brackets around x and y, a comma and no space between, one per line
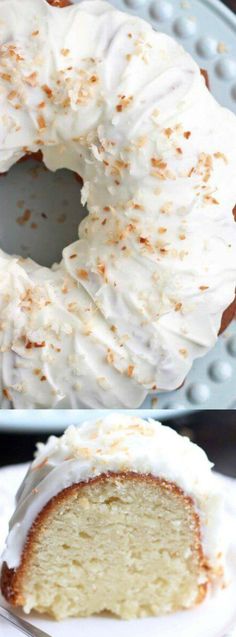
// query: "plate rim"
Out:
[225,12]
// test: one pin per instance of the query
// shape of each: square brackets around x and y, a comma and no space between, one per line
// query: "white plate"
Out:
[216,617]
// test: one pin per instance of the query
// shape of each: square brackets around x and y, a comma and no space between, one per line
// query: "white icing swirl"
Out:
[117,443]
[140,295]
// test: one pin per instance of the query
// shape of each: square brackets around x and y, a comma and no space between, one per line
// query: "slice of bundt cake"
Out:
[120,515]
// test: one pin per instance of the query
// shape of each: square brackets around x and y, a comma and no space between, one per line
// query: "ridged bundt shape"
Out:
[141,294]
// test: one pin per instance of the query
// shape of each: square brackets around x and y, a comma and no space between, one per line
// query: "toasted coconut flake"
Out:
[31,79]
[101,268]
[222,48]
[183,352]
[166,208]
[110,357]
[93,79]
[82,274]
[168,132]
[24,218]
[6,77]
[6,393]
[41,122]
[124,103]
[130,370]
[47,90]
[30,344]
[158,163]
[12,95]
[178,307]
[221,156]
[210,199]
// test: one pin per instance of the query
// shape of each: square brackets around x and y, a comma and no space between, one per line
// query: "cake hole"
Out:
[85,536]
[113,500]
[77,564]
[40,211]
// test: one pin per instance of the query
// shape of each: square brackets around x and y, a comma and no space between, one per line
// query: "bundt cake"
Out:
[119,515]
[141,294]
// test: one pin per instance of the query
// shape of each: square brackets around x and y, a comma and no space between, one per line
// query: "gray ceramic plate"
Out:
[208,31]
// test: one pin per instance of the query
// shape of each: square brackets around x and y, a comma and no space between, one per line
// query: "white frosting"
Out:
[140,295]
[117,443]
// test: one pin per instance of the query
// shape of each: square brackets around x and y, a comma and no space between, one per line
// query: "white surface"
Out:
[216,617]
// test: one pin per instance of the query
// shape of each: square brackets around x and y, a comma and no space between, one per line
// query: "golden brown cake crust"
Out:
[60,3]
[11,578]
[206,77]
[228,316]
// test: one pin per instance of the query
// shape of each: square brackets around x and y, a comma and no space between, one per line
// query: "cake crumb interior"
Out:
[130,547]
